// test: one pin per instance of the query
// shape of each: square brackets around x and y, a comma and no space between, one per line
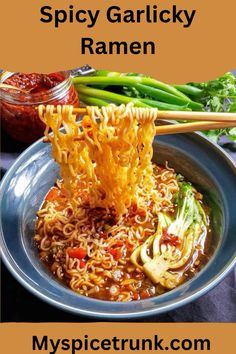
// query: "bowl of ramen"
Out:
[104,219]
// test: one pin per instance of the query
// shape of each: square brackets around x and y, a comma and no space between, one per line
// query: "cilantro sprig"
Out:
[219,95]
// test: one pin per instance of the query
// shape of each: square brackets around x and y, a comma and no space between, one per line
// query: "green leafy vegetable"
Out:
[219,95]
[160,260]
[105,87]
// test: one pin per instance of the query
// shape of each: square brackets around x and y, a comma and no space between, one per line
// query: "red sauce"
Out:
[170,239]
[36,83]
[19,116]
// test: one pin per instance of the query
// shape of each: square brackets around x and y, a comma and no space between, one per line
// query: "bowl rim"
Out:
[144,312]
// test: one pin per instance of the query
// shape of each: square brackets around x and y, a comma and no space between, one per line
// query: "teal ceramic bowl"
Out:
[28,180]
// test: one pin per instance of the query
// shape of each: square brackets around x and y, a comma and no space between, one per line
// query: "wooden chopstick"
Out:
[191,127]
[201,121]
[185,115]
[197,116]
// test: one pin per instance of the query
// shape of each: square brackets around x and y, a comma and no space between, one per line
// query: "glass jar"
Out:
[18,109]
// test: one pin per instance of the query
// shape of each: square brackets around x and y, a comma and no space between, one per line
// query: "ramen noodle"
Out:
[117,227]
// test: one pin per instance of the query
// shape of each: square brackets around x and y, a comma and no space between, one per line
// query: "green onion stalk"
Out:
[129,81]
[97,97]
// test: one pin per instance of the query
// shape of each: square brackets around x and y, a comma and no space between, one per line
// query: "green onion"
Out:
[189,90]
[92,101]
[108,73]
[166,97]
[128,81]
[109,96]
[162,106]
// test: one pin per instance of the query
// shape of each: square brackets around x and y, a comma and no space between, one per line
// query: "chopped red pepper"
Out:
[79,253]
[145,294]
[90,133]
[82,263]
[133,208]
[141,213]
[119,243]
[116,253]
[129,246]
[135,296]
[103,234]
[52,194]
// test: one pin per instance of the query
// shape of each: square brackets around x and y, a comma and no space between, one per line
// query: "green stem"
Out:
[108,73]
[109,96]
[226,96]
[128,81]
[162,106]
[189,90]
[166,97]
[92,101]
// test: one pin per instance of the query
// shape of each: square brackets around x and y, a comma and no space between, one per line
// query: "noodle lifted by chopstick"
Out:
[110,150]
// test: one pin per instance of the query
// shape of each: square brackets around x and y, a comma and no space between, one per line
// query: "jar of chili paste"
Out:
[18,109]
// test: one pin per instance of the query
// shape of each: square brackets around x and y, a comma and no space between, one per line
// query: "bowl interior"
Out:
[28,181]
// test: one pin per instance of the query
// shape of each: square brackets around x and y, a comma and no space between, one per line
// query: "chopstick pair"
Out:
[201,121]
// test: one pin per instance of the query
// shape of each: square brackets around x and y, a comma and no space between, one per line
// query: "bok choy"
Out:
[175,240]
